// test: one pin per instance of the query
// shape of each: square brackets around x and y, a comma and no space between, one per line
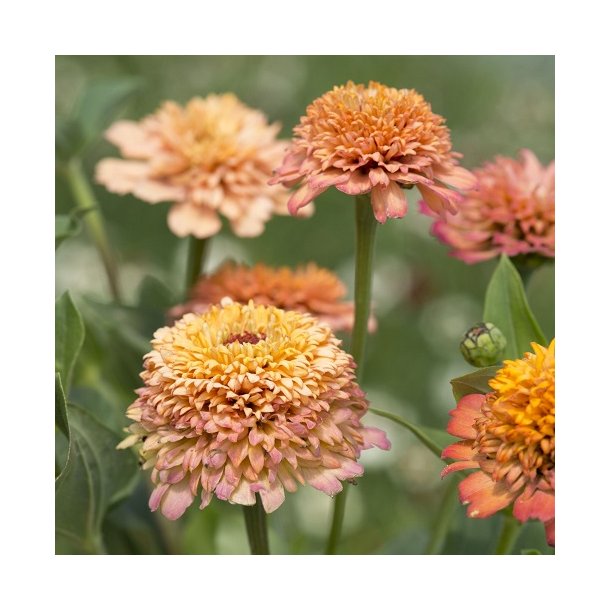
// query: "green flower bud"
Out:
[483,345]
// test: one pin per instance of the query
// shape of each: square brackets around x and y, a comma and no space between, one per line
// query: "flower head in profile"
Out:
[248,399]
[212,157]
[509,438]
[375,139]
[511,212]
[309,289]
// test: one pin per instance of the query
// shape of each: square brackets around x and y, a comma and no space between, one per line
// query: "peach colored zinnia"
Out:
[509,437]
[374,139]
[512,212]
[309,289]
[248,399]
[213,156]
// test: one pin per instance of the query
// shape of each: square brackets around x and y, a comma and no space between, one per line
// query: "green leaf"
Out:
[67,225]
[61,415]
[69,138]
[473,383]
[101,101]
[530,552]
[69,336]
[506,306]
[96,475]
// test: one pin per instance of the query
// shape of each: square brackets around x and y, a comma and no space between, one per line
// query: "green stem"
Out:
[366,226]
[197,253]
[420,434]
[443,519]
[256,526]
[93,220]
[508,536]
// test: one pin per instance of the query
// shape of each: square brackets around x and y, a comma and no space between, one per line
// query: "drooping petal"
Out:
[190,219]
[388,202]
[483,496]
[302,197]
[176,500]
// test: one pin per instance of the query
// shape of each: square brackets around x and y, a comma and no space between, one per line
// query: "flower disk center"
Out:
[245,338]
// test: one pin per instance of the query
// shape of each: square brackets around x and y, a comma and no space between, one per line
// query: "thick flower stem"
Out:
[508,536]
[256,526]
[93,220]
[197,253]
[366,225]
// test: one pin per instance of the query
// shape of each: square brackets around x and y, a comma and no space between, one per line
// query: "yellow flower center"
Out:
[516,431]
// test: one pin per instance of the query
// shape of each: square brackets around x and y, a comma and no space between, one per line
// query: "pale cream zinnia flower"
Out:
[248,399]
[374,139]
[213,156]
[309,289]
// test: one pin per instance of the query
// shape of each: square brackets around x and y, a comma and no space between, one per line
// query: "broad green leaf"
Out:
[476,382]
[101,101]
[96,475]
[530,552]
[506,306]
[69,336]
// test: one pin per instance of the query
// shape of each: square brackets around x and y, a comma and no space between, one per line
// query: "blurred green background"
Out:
[424,300]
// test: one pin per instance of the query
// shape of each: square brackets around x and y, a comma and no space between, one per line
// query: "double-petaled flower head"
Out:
[308,289]
[248,399]
[373,139]
[511,212]
[213,156]
[509,437]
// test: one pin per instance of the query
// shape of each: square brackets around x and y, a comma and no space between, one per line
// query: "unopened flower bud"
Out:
[483,345]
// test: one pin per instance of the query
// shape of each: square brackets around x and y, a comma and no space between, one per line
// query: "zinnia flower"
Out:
[213,156]
[247,399]
[373,139]
[511,212]
[509,437]
[309,289]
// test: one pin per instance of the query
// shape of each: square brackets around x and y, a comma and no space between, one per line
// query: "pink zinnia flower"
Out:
[309,289]
[373,139]
[213,156]
[248,399]
[512,211]
[509,437]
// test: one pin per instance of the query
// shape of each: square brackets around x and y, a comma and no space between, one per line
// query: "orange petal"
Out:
[388,202]
[540,505]
[464,415]
[483,496]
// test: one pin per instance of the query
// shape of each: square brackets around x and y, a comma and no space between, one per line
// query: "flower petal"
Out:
[464,415]
[483,496]
[189,219]
[388,202]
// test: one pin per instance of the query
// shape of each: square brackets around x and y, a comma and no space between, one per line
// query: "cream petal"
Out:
[132,140]
[388,202]
[120,176]
[190,219]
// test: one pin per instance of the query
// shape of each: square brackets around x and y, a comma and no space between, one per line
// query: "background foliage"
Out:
[424,300]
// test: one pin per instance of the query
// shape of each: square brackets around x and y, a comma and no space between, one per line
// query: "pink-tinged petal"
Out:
[256,457]
[472,257]
[322,480]
[120,177]
[302,197]
[459,451]
[273,497]
[374,437]
[349,469]
[539,505]
[388,202]
[378,176]
[330,177]
[457,177]
[464,415]
[483,496]
[153,191]
[549,528]
[206,498]
[357,184]
[132,140]
[190,219]
[243,494]
[440,199]
[157,496]
[176,500]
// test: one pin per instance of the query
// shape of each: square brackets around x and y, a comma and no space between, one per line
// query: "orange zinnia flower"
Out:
[509,436]
[213,156]
[512,212]
[373,139]
[309,289]
[248,399]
